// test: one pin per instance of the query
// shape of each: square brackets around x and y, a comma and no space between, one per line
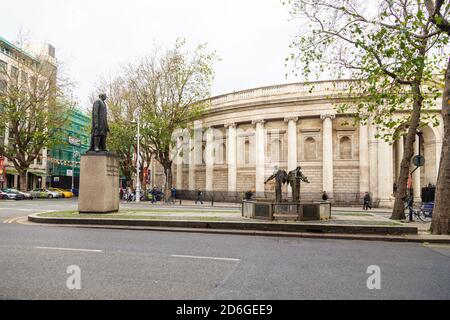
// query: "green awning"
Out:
[11,171]
[38,173]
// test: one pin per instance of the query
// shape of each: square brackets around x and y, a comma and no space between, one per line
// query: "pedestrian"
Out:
[199,197]
[154,193]
[367,201]
[249,194]
[324,196]
[173,194]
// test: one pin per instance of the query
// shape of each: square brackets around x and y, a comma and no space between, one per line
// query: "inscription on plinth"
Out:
[99,183]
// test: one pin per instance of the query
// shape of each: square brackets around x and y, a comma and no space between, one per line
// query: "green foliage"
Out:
[390,49]
[172,90]
[32,110]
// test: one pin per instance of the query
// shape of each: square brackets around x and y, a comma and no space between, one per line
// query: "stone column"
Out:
[399,156]
[373,162]
[327,142]
[44,158]
[195,153]
[231,157]
[179,163]
[191,164]
[259,156]
[364,173]
[292,145]
[16,181]
[416,174]
[209,159]
[385,174]
[292,142]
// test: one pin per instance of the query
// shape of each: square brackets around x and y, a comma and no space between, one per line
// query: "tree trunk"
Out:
[440,223]
[23,180]
[398,211]
[169,177]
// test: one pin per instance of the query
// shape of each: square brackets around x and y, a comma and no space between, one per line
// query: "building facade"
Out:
[64,159]
[245,135]
[15,60]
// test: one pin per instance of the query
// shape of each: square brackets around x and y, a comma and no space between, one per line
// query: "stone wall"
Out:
[220,181]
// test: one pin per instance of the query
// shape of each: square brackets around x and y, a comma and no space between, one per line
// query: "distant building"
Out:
[15,60]
[64,159]
[245,135]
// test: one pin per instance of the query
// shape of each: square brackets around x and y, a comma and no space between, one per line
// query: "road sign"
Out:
[419,161]
[74,141]
[69,172]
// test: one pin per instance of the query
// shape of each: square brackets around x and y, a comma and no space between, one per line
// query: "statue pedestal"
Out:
[99,183]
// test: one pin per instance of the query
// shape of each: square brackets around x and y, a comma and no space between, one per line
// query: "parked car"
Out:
[53,193]
[7,194]
[26,195]
[64,193]
[39,193]
[45,193]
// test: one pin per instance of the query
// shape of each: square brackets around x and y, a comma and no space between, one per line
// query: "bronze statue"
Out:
[100,127]
[280,177]
[294,178]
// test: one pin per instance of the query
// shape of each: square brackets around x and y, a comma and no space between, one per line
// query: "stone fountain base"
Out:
[269,210]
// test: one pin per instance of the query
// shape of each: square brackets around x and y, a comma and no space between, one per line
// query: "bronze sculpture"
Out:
[280,177]
[100,127]
[294,178]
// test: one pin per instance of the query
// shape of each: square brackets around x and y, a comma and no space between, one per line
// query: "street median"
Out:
[218,224]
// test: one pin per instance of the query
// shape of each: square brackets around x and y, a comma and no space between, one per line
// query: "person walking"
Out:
[367,201]
[129,195]
[199,197]
[173,194]
[154,193]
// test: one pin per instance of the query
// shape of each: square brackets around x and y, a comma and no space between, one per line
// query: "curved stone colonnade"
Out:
[245,135]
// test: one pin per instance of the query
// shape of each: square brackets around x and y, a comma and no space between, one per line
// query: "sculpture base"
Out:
[288,211]
[99,183]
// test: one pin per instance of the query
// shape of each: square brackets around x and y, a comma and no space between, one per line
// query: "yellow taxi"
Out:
[64,193]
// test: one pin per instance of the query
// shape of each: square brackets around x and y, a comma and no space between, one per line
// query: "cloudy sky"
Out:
[93,38]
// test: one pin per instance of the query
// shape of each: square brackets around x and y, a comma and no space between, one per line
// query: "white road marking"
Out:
[200,257]
[69,249]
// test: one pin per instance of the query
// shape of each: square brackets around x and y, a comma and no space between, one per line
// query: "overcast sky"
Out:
[93,38]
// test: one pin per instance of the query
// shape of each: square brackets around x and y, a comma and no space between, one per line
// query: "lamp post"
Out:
[138,155]
[74,154]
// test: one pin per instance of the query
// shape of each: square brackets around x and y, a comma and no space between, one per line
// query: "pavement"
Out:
[132,264]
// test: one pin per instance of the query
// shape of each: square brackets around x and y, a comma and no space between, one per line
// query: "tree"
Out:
[33,105]
[122,135]
[391,49]
[438,11]
[171,90]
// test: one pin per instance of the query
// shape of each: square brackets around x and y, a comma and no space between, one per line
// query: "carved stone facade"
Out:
[245,135]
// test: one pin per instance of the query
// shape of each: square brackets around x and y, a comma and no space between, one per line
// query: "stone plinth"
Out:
[99,183]
[288,211]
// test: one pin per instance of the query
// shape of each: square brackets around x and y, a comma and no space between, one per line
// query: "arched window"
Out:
[310,149]
[276,150]
[345,148]
[246,151]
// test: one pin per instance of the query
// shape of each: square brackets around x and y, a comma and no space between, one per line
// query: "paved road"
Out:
[124,264]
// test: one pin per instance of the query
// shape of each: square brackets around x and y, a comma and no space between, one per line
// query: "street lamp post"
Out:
[138,182]
[74,154]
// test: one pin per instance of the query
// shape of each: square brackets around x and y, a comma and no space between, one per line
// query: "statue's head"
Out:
[102,96]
